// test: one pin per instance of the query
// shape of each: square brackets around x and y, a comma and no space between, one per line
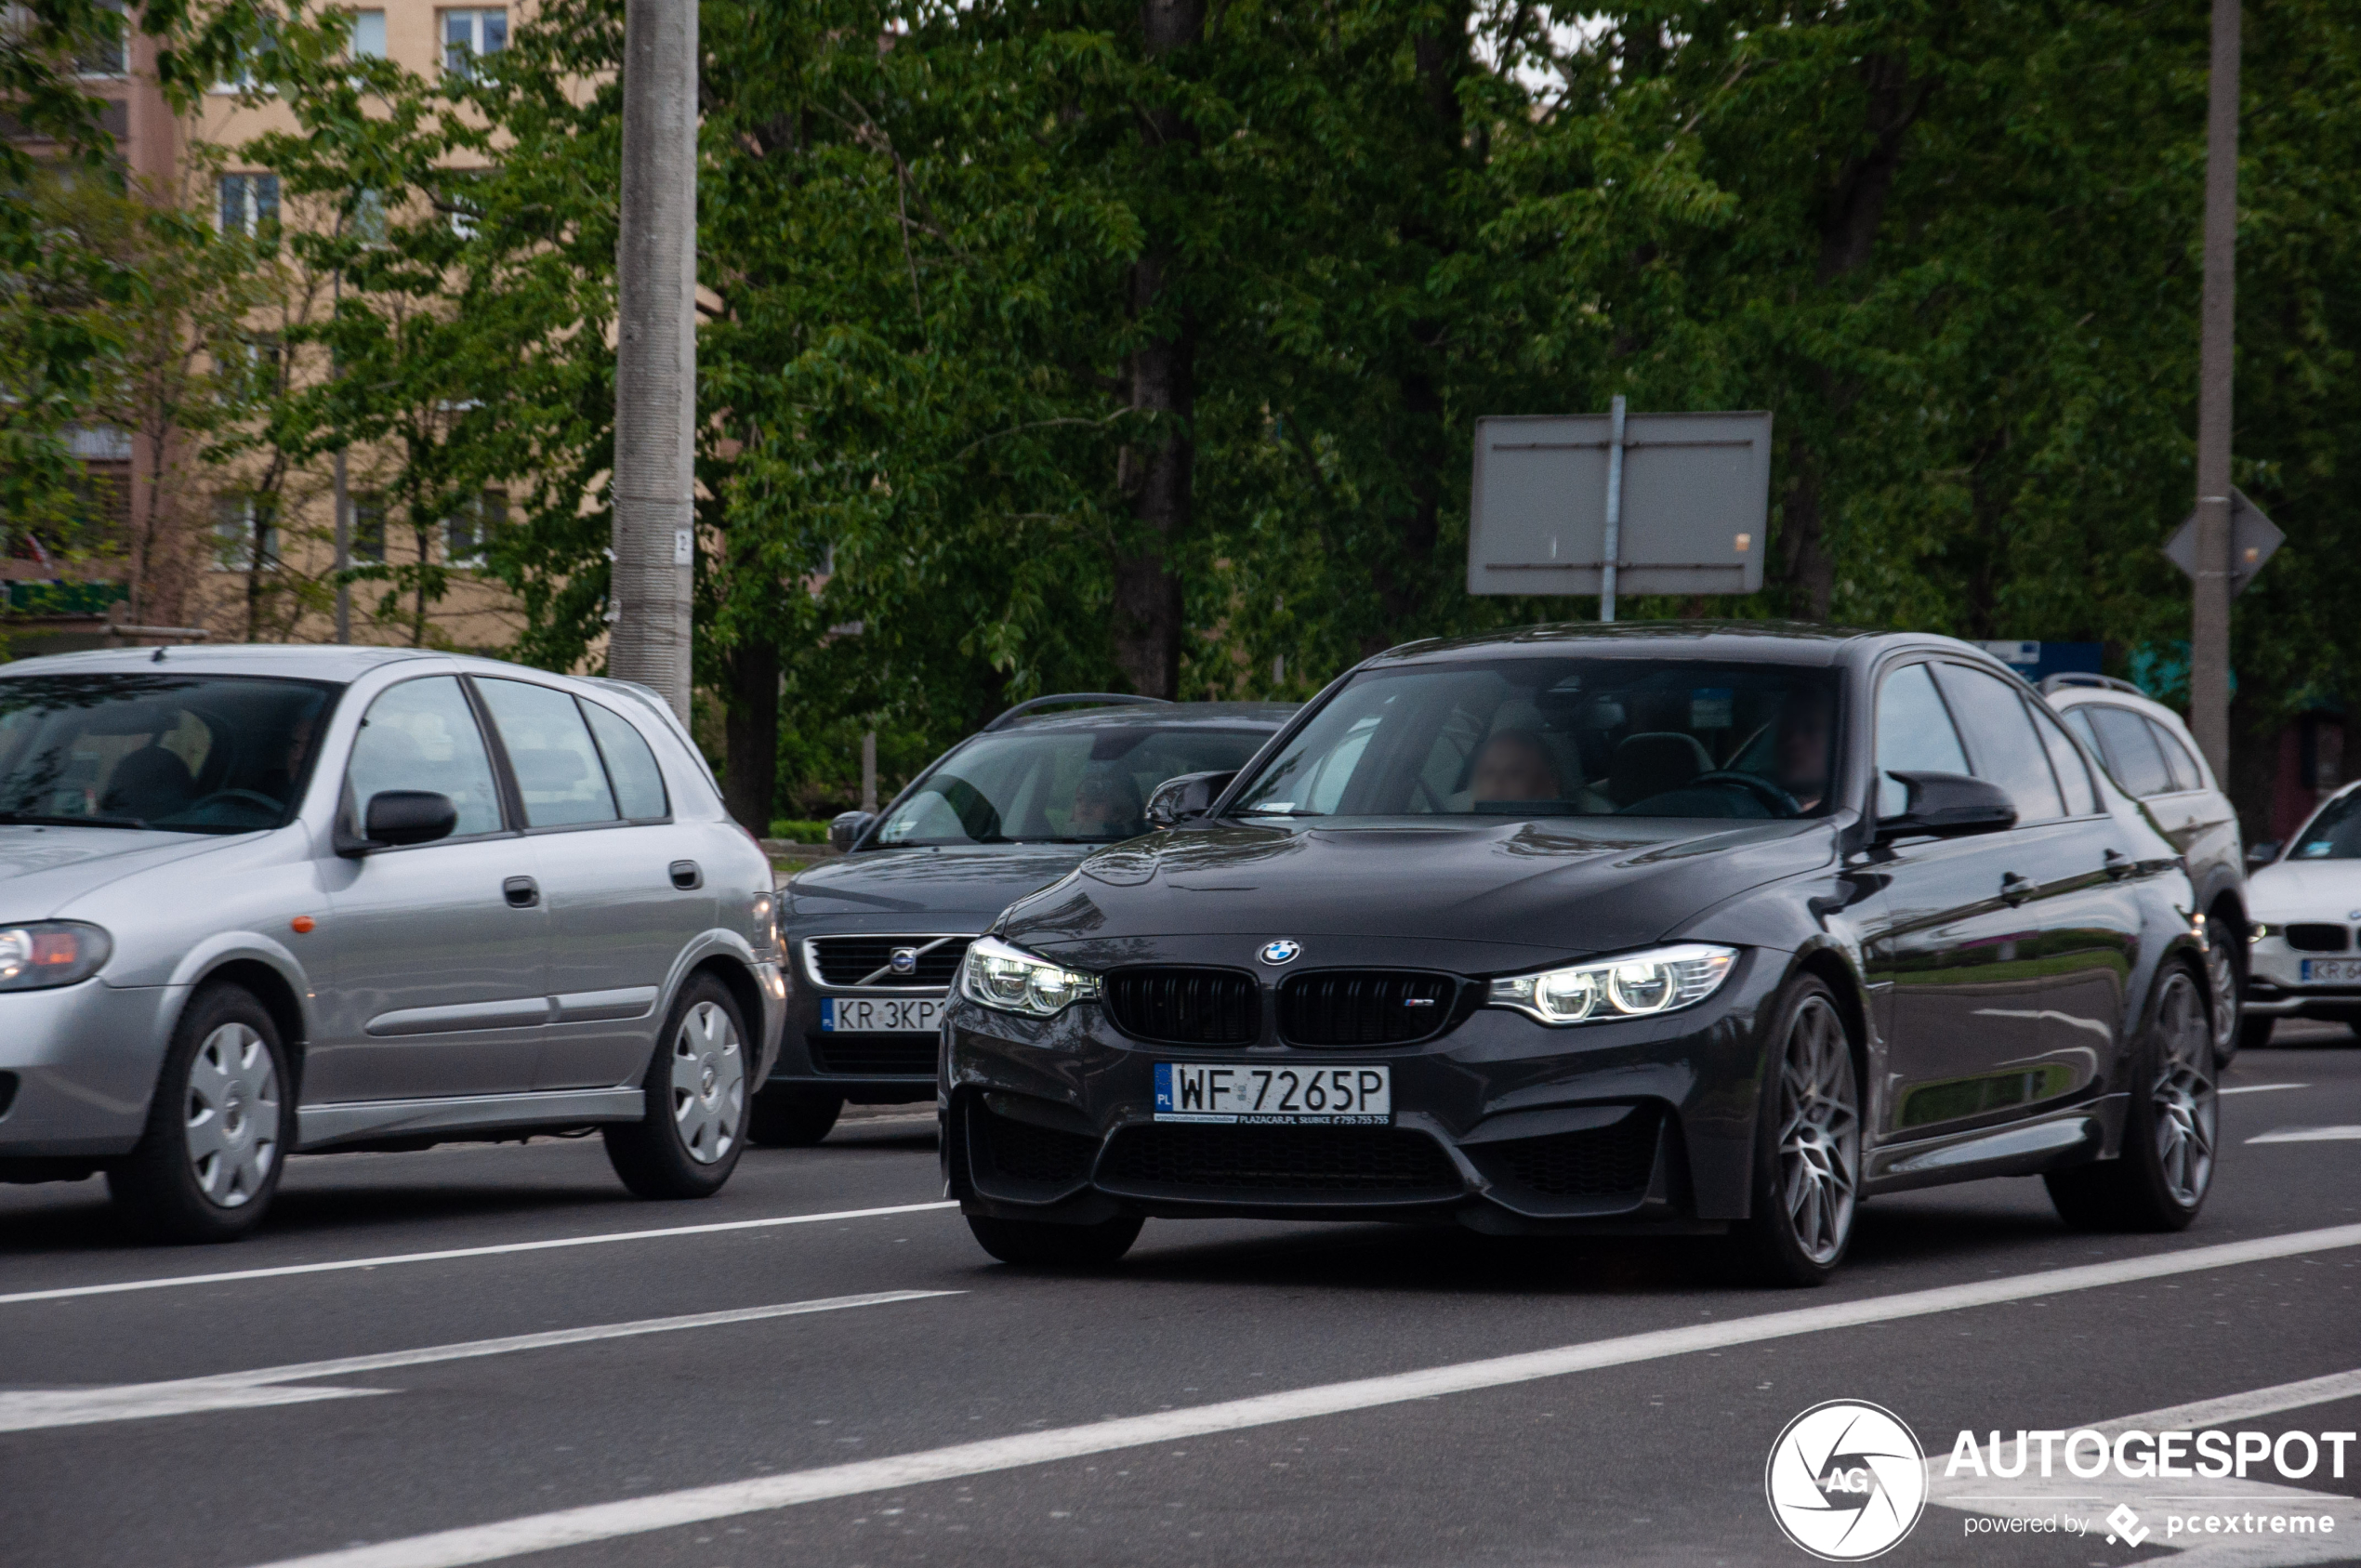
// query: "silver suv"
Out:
[2150,753]
[262,901]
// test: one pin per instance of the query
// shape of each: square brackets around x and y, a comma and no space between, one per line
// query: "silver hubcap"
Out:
[2224,976]
[230,1128]
[1819,1131]
[2185,1106]
[708,1082]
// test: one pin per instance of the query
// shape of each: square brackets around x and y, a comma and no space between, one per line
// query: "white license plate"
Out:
[879,1015]
[1278,1096]
[2332,971]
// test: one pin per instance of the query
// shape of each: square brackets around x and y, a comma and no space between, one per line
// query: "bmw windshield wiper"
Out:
[36,820]
[1273,811]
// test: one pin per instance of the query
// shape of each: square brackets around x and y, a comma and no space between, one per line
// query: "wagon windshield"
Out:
[1571,737]
[187,754]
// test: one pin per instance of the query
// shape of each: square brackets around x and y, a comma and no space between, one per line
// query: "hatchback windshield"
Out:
[1560,737]
[1069,786]
[191,753]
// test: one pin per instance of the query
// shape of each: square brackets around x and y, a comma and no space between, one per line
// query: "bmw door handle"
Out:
[522,892]
[2015,889]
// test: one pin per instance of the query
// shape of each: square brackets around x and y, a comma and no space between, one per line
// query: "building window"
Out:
[368,528]
[236,534]
[107,55]
[250,203]
[466,35]
[368,36]
[468,534]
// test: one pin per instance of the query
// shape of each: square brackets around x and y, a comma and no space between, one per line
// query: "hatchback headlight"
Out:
[1016,982]
[47,953]
[1659,981]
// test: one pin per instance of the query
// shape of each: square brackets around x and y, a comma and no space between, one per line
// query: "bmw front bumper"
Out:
[1501,1123]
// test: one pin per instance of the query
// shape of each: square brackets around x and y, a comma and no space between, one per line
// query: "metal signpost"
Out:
[2254,539]
[1619,502]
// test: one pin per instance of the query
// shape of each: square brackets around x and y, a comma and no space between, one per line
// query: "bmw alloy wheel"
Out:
[2186,1108]
[1819,1130]
[230,1127]
[708,1084]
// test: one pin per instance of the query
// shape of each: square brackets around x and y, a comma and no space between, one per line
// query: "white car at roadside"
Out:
[2303,909]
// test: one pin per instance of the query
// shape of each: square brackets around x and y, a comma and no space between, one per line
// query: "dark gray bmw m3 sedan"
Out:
[1713,927]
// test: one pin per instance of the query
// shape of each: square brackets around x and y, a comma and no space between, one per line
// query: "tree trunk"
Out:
[1158,474]
[750,764]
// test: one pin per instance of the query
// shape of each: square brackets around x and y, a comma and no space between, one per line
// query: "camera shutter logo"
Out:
[1846,1481]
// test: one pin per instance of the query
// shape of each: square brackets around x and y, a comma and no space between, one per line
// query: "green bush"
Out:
[800,832]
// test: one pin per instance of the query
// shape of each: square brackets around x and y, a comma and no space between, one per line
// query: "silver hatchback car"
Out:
[261,901]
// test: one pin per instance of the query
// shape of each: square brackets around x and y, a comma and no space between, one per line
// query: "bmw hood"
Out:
[45,869]
[980,882]
[2324,890]
[1480,896]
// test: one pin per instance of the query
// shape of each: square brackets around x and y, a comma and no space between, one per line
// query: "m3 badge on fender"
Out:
[1280,952]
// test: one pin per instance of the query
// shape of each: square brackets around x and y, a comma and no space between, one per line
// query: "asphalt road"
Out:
[819,1366]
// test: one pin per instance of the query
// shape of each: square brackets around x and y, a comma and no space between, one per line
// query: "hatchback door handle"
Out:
[2117,864]
[2015,889]
[524,892]
[686,875]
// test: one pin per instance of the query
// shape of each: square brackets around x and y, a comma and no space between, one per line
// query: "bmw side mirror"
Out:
[2262,854]
[408,816]
[1946,806]
[1186,799]
[846,827]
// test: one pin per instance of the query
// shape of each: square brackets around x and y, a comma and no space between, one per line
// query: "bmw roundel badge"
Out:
[1281,952]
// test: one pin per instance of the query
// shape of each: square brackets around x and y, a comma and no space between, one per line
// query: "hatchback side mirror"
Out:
[2262,854]
[1947,805]
[409,816]
[846,827]
[1187,798]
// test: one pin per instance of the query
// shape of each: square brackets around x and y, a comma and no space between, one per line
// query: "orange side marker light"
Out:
[302,923]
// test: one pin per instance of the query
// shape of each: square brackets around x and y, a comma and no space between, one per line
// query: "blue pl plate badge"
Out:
[1164,1086]
[828,1015]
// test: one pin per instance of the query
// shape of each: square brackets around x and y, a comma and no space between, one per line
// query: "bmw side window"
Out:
[557,770]
[2130,751]
[422,734]
[2177,760]
[632,767]
[1914,735]
[2073,775]
[2001,745]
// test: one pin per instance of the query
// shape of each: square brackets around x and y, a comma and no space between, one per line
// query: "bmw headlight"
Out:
[47,953]
[1659,981]
[1016,982]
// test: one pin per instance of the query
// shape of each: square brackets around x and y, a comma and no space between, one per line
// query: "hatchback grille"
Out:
[1602,1162]
[1185,1007]
[884,1056]
[1286,1160]
[1021,1152]
[2319,939]
[868,961]
[1364,1007]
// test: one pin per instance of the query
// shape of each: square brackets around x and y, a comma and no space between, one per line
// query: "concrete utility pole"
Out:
[657,353]
[2210,617]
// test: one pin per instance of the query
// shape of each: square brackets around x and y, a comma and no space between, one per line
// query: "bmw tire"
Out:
[1041,1243]
[2171,1127]
[219,1128]
[1807,1163]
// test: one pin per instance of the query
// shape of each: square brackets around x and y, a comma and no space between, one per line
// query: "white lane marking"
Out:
[26,1409]
[2258,1089]
[283,1271]
[2309,1135]
[2065,1496]
[601,1521]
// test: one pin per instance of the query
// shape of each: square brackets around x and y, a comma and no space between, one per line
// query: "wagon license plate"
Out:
[879,1015]
[1276,1096]
[2332,971]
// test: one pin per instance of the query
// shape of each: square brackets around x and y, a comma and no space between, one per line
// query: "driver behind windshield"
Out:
[1800,751]
[1513,765]
[1106,805]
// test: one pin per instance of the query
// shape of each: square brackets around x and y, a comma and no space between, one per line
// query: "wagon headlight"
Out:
[1659,981]
[1016,982]
[48,953]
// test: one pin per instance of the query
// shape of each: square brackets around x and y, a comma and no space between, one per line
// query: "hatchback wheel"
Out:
[219,1129]
[2161,1181]
[689,1137]
[1808,1153]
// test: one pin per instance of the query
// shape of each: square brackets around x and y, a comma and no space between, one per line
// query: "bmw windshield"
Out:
[1057,786]
[1560,737]
[184,753]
